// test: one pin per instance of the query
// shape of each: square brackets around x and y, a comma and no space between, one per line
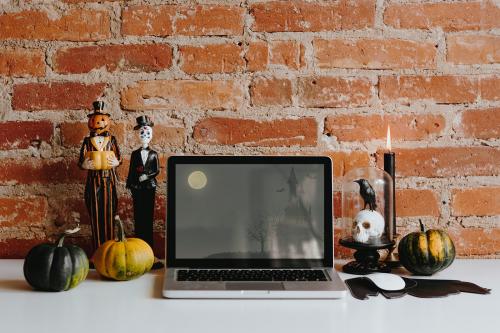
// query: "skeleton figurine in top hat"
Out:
[100,155]
[141,181]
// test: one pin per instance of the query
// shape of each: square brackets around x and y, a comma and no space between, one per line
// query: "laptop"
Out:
[250,227]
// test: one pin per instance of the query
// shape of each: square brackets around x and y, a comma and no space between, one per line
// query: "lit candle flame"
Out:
[388,144]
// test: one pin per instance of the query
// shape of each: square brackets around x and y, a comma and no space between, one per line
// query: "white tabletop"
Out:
[137,306]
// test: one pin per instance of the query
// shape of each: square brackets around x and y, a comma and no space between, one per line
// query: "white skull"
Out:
[367,224]
[145,135]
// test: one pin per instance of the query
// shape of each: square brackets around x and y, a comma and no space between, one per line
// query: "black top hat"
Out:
[98,108]
[143,121]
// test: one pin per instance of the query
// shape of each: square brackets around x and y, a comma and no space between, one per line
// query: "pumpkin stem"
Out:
[60,240]
[422,228]
[121,231]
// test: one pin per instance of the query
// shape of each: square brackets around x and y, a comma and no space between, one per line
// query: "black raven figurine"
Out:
[367,193]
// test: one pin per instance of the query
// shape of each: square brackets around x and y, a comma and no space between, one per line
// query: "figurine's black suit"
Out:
[143,193]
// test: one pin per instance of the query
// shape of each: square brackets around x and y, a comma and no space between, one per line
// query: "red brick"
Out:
[479,15]
[344,162]
[164,136]
[475,241]
[490,88]
[374,54]
[20,134]
[40,171]
[271,91]
[288,53]
[22,62]
[181,94]
[16,248]
[481,201]
[213,58]
[166,20]
[412,202]
[302,16]
[56,96]
[169,136]
[272,133]
[320,92]
[473,49]
[481,124]
[130,57]
[446,161]
[210,20]
[74,25]
[22,211]
[148,20]
[72,133]
[439,89]
[447,89]
[371,127]
[257,56]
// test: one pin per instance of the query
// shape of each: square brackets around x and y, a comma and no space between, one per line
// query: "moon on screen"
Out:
[197,180]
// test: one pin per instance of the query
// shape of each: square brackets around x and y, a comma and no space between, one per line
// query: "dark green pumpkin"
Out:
[55,267]
[426,252]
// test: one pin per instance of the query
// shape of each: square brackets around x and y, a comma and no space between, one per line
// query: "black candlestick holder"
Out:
[392,258]
[367,256]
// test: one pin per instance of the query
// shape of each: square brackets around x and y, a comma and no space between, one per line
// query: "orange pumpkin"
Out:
[99,123]
[125,258]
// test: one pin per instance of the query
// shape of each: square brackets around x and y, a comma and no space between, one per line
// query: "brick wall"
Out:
[249,77]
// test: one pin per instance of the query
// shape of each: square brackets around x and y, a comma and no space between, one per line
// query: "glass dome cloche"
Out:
[367,218]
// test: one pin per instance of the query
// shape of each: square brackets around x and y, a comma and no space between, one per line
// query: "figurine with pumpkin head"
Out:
[100,155]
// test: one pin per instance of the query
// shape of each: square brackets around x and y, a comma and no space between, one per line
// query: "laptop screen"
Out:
[249,211]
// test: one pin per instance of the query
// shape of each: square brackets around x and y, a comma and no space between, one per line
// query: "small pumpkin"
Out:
[124,258]
[426,252]
[56,267]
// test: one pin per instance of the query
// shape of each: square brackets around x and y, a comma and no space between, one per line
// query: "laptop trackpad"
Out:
[254,286]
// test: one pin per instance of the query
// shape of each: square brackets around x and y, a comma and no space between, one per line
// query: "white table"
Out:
[137,306]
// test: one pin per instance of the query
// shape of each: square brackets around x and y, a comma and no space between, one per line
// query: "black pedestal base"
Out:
[367,257]
[367,261]
[392,259]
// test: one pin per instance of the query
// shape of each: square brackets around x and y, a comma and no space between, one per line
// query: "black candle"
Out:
[390,168]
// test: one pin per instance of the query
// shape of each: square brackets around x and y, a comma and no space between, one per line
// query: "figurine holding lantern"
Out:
[100,155]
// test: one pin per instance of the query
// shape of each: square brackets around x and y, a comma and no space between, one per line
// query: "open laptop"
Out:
[250,227]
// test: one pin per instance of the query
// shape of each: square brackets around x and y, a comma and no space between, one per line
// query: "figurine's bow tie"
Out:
[92,134]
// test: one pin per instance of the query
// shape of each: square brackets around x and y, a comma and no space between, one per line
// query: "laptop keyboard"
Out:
[251,275]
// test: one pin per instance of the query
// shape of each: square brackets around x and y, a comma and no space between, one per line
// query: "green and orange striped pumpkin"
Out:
[123,259]
[426,252]
[56,267]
